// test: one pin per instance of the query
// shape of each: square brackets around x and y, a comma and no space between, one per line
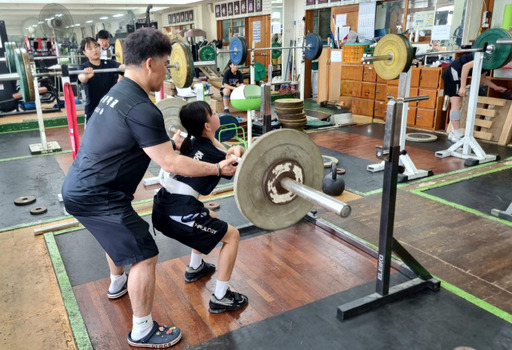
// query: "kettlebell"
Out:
[333,185]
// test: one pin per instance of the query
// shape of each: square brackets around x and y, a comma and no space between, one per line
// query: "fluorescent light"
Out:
[104,17]
[118,15]
[89,21]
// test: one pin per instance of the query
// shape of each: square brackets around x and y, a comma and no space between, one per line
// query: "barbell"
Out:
[181,69]
[312,46]
[394,53]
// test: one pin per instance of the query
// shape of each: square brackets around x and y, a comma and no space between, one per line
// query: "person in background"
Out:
[127,131]
[455,80]
[232,78]
[107,50]
[96,85]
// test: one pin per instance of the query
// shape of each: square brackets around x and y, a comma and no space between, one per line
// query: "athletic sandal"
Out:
[120,292]
[158,337]
[205,269]
[232,301]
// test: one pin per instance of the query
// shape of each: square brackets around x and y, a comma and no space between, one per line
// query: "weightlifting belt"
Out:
[172,185]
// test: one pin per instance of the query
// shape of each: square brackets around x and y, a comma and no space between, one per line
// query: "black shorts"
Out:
[451,85]
[125,237]
[199,230]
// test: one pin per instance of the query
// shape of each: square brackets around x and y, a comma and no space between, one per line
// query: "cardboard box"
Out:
[218,106]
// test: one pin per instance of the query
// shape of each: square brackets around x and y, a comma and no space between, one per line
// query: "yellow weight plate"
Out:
[182,65]
[399,47]
[119,50]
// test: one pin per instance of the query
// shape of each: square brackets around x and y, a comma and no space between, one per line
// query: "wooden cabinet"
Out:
[368,94]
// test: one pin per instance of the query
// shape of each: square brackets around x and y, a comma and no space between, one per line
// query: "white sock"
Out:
[141,326]
[457,132]
[195,260]
[221,288]
[117,282]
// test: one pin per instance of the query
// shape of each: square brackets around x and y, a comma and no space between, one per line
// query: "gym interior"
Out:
[396,237]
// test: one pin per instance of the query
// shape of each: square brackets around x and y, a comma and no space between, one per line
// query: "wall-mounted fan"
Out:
[56,21]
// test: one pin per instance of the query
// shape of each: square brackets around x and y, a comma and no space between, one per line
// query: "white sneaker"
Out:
[453,138]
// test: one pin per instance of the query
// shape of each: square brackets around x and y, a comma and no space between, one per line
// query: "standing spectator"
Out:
[107,50]
[96,85]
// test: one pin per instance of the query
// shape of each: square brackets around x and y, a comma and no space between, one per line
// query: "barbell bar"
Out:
[238,48]
[394,52]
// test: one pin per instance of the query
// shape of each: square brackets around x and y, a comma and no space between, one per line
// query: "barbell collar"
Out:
[316,197]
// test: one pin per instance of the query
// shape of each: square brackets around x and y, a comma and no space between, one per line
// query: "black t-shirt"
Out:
[461,61]
[204,150]
[111,162]
[232,79]
[99,85]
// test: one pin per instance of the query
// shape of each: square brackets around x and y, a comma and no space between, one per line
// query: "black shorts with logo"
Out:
[185,219]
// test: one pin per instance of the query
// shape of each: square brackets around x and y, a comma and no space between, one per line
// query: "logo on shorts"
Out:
[205,229]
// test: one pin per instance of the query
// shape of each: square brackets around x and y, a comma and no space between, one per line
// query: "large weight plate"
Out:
[501,55]
[119,50]
[182,65]
[9,56]
[259,71]
[313,46]
[277,52]
[207,53]
[272,147]
[238,48]
[170,108]
[25,75]
[400,48]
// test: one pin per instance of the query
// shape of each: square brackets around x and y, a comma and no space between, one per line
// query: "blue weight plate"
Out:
[238,48]
[313,46]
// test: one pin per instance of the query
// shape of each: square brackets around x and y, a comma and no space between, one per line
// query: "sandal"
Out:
[158,337]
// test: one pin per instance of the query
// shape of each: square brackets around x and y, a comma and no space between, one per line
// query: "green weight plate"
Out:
[259,71]
[25,75]
[182,65]
[501,54]
[276,53]
[9,56]
[238,48]
[313,46]
[207,53]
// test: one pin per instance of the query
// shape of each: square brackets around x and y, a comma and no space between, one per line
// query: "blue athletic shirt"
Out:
[111,162]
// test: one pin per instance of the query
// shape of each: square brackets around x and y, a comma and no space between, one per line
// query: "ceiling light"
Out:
[89,21]
[104,17]
[118,15]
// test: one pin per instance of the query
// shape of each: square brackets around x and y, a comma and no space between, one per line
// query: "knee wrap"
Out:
[455,115]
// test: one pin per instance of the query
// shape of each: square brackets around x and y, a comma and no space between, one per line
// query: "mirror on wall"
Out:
[389,18]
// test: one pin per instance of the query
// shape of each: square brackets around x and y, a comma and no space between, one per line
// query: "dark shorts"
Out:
[451,86]
[125,237]
[199,231]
